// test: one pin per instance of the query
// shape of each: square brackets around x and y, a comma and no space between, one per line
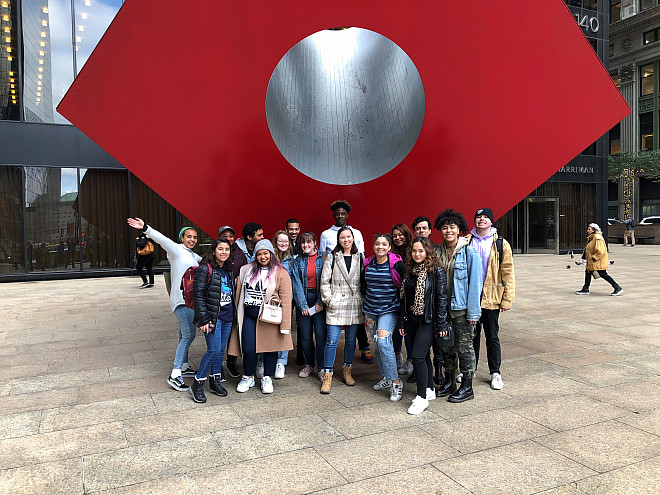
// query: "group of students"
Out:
[432,297]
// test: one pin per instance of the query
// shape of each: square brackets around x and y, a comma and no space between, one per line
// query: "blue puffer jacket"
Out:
[299,279]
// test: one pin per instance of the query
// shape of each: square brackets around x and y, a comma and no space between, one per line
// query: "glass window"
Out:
[615,139]
[104,210]
[590,150]
[51,204]
[646,72]
[615,10]
[611,52]
[646,130]
[92,18]
[650,36]
[616,78]
[574,3]
[647,4]
[590,4]
[12,247]
[10,94]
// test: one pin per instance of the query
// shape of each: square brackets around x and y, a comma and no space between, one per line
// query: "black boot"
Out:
[231,366]
[464,393]
[448,386]
[197,391]
[300,358]
[215,386]
[437,364]
[412,378]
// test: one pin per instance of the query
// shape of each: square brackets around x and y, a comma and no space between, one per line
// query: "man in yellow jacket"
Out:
[595,253]
[499,289]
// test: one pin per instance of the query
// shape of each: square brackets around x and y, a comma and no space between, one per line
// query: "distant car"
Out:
[650,221]
[613,221]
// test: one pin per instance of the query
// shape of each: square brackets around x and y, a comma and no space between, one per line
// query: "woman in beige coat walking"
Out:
[342,281]
[595,253]
[263,280]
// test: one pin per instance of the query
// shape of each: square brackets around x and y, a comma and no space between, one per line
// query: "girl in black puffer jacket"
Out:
[213,297]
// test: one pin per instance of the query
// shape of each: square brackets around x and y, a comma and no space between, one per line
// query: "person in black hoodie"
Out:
[145,253]
[423,314]
[213,298]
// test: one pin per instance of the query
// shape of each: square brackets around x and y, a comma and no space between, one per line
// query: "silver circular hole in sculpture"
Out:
[345,106]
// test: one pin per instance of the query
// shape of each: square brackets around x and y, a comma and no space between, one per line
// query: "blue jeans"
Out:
[187,329]
[249,344]
[330,351]
[383,348]
[305,325]
[215,350]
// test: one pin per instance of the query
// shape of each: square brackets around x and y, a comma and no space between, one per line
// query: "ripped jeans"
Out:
[383,348]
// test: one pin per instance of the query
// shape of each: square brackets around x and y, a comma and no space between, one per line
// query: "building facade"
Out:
[634,59]
[64,201]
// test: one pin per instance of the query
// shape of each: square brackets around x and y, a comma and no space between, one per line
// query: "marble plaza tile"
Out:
[300,472]
[24,370]
[603,446]
[522,468]
[61,477]
[600,336]
[108,411]
[542,385]
[99,392]
[114,350]
[391,451]
[101,362]
[58,380]
[127,338]
[527,366]
[276,407]
[374,418]
[265,439]
[570,358]
[485,430]
[199,420]
[568,412]
[546,344]
[642,397]
[485,399]
[136,371]
[641,478]
[47,447]
[648,421]
[360,394]
[603,374]
[150,462]
[38,400]
[422,480]
[178,485]
[20,424]
[570,489]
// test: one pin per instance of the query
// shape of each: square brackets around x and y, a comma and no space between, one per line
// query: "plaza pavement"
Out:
[85,407]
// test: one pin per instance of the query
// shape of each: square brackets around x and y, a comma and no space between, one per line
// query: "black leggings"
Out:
[147,263]
[421,336]
[603,274]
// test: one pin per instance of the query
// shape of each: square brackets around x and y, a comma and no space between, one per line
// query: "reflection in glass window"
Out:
[51,204]
[12,248]
[615,10]
[10,94]
[646,130]
[615,139]
[647,4]
[104,210]
[590,4]
[646,72]
[650,36]
[92,18]
[616,78]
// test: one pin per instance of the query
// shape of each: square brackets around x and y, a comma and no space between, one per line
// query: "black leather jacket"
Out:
[206,295]
[435,302]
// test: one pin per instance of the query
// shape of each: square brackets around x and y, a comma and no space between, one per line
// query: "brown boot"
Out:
[348,376]
[327,382]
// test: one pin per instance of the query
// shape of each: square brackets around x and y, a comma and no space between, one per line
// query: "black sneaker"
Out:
[232,369]
[149,286]
[143,286]
[177,383]
[189,371]
[582,292]
[617,292]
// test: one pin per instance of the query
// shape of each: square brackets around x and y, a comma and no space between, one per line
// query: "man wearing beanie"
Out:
[499,288]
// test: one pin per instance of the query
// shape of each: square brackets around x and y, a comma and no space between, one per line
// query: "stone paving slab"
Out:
[85,407]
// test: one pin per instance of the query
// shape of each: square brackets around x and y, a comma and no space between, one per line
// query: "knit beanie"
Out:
[485,211]
[264,244]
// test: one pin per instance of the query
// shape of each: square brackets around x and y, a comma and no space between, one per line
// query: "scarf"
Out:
[418,303]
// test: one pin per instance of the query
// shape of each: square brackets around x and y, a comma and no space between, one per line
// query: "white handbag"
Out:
[271,311]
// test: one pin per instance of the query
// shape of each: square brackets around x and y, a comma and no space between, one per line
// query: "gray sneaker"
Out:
[396,391]
[399,360]
[383,384]
[406,369]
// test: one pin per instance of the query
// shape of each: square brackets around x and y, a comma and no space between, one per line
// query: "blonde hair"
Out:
[282,255]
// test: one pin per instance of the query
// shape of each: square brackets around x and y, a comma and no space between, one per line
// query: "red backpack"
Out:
[187,284]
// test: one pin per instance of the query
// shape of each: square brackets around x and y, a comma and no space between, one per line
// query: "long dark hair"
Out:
[338,248]
[403,228]
[431,263]
[209,256]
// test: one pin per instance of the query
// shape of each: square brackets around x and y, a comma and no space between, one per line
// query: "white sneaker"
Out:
[430,394]
[406,369]
[496,382]
[396,391]
[383,384]
[459,378]
[260,370]
[418,405]
[279,371]
[399,360]
[246,383]
[266,385]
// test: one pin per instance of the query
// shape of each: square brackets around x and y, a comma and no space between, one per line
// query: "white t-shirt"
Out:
[329,239]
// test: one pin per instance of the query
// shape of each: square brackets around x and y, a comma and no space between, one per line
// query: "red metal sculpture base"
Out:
[176,92]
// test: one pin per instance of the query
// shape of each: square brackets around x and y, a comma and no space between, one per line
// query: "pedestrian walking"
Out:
[595,253]
[145,253]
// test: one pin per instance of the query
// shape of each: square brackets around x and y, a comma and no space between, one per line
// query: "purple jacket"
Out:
[393,259]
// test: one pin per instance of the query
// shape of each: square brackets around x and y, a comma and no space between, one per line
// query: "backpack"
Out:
[187,282]
[499,245]
[145,250]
